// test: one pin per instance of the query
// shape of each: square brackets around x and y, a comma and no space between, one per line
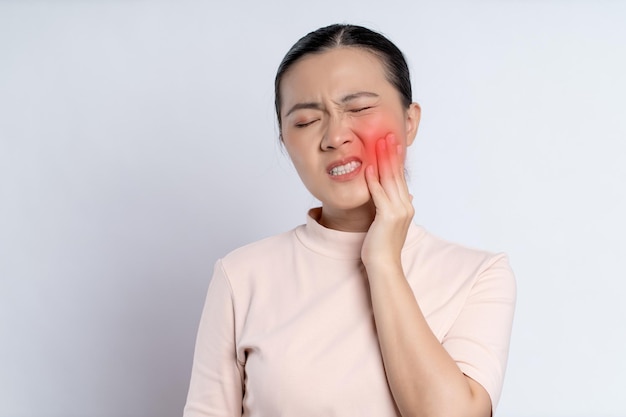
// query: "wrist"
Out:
[383,267]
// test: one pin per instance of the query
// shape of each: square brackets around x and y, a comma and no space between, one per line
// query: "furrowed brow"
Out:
[360,94]
[300,106]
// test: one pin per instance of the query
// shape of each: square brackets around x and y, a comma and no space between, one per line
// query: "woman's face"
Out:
[335,106]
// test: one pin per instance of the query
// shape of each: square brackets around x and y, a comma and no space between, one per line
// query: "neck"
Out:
[358,219]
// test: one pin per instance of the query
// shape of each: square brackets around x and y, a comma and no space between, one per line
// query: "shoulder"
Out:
[437,249]
[458,265]
[260,254]
[451,279]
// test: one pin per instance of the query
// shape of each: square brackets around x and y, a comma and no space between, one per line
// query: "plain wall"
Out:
[138,145]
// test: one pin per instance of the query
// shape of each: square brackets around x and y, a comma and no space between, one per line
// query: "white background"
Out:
[138,145]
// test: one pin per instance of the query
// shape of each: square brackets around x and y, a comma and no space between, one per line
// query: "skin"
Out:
[338,106]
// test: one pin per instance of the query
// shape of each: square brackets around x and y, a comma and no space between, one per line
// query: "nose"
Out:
[337,134]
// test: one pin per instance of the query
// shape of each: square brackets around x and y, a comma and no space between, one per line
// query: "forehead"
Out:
[335,72]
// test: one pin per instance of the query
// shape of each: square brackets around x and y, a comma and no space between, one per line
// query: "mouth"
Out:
[344,169]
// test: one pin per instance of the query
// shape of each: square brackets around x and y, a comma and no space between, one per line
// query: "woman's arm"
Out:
[216,389]
[423,377]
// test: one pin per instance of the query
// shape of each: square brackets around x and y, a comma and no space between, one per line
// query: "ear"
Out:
[413,115]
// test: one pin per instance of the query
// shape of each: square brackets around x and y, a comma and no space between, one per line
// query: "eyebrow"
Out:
[318,106]
[309,105]
[360,94]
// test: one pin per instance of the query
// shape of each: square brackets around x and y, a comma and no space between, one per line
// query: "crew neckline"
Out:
[339,244]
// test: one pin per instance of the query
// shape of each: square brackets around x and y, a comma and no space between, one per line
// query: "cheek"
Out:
[372,128]
[295,154]
[302,157]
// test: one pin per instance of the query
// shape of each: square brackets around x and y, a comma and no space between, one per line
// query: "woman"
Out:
[359,312]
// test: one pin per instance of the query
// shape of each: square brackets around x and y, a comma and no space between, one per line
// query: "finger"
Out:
[375,188]
[385,170]
[395,154]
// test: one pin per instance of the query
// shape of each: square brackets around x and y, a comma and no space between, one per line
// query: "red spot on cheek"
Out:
[371,142]
[371,133]
[370,151]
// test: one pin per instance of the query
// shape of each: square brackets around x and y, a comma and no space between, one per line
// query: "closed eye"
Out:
[360,109]
[305,124]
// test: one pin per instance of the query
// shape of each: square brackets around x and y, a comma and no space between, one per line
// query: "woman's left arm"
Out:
[423,377]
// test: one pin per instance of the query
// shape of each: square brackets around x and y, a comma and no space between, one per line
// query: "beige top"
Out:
[288,330]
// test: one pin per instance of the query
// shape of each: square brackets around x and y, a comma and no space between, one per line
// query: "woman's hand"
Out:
[385,238]
[422,376]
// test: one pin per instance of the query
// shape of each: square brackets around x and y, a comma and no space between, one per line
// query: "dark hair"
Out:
[333,36]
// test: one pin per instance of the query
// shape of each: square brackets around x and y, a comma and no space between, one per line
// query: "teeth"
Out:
[345,169]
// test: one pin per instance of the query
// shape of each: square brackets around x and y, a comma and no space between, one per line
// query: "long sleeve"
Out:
[216,386]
